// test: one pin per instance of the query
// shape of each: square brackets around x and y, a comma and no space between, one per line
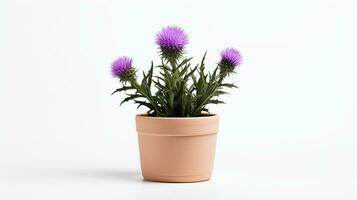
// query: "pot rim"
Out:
[206,115]
[177,126]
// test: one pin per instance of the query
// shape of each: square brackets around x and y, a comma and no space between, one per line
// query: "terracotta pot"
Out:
[177,149]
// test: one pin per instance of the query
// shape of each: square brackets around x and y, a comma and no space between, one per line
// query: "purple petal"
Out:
[172,37]
[231,56]
[121,66]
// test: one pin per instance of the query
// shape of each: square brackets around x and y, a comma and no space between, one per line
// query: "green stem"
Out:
[173,65]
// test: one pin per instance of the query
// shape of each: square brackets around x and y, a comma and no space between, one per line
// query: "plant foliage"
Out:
[177,89]
[182,90]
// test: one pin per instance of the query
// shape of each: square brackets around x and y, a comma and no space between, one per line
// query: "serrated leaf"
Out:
[131,97]
[124,88]
[229,85]
[214,101]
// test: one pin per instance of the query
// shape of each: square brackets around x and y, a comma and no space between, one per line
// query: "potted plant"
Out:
[177,135]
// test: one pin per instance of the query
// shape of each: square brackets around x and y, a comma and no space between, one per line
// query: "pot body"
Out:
[177,149]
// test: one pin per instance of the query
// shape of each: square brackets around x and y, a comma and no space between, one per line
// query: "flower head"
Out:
[230,58]
[122,66]
[172,40]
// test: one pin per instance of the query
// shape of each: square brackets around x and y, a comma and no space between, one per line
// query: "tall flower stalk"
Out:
[182,90]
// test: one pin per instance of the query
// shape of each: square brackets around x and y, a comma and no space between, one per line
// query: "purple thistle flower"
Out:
[172,40]
[121,66]
[230,57]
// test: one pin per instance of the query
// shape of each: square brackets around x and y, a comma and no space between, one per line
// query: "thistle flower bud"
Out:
[122,68]
[230,59]
[172,41]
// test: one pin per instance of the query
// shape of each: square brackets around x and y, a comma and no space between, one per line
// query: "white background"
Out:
[289,132]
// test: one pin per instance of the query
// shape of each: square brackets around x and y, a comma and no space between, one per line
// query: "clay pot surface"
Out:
[177,149]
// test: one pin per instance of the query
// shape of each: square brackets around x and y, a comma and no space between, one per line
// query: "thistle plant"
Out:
[178,89]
